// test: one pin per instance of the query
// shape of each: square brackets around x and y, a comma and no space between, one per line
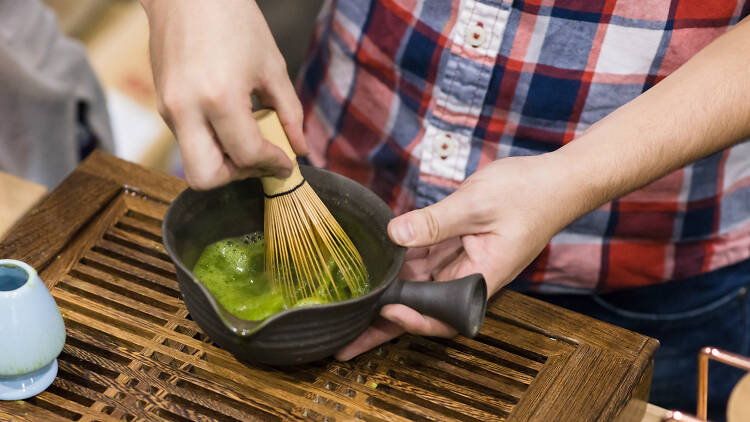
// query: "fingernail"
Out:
[402,232]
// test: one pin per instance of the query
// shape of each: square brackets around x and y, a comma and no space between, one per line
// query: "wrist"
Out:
[570,186]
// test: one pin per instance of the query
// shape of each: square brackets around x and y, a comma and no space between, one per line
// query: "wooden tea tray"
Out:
[133,353]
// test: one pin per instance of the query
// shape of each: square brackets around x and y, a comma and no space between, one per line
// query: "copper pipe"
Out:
[702,410]
[712,353]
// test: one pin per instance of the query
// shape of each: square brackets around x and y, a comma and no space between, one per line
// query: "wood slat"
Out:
[138,243]
[258,384]
[24,410]
[114,299]
[481,359]
[149,212]
[78,245]
[137,258]
[525,343]
[129,321]
[139,288]
[355,389]
[96,396]
[49,226]
[139,180]
[413,357]
[50,398]
[135,223]
[183,374]
[128,273]
[589,360]
[428,386]
[503,381]
[561,324]
[175,389]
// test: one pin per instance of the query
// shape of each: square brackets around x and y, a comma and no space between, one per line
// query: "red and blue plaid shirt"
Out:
[409,97]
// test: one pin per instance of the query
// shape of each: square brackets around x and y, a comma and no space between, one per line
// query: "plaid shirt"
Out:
[409,97]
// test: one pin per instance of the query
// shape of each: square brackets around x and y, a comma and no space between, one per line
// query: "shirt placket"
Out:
[459,93]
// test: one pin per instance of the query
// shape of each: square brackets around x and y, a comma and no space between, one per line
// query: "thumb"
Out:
[430,225]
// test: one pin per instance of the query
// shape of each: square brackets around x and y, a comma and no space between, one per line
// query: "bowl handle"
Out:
[459,303]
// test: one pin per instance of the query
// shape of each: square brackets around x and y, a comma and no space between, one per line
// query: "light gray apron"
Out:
[50,100]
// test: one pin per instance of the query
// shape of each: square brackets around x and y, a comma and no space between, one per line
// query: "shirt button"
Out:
[476,35]
[444,146]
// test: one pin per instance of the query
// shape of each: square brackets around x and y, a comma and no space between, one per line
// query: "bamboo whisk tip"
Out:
[308,254]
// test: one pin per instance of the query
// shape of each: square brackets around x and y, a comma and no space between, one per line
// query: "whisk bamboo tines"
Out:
[302,237]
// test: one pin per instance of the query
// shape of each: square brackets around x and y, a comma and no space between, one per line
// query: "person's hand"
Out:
[495,224]
[420,264]
[208,57]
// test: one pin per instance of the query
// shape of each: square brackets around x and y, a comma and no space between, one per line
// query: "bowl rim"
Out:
[30,275]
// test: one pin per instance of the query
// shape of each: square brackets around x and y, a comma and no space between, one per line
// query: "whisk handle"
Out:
[272,130]
[459,303]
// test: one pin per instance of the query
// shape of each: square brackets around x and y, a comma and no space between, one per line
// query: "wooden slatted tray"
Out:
[133,353]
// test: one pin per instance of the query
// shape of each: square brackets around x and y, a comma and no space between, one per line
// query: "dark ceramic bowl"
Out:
[196,219]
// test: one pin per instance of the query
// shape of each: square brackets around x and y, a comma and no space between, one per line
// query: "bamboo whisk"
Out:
[300,233]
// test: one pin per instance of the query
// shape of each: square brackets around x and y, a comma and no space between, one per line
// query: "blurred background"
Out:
[115,33]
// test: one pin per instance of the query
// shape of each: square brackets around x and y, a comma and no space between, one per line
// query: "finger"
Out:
[430,225]
[422,263]
[415,265]
[242,141]
[376,334]
[415,270]
[461,266]
[416,253]
[443,253]
[498,269]
[438,267]
[281,96]
[204,163]
[416,323]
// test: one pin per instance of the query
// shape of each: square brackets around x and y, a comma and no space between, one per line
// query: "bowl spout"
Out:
[204,306]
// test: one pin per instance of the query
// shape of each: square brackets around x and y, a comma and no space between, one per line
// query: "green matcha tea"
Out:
[232,270]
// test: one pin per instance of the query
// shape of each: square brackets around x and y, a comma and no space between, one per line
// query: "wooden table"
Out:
[132,351]
[16,197]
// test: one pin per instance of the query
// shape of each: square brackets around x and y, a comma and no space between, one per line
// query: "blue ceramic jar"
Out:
[32,332]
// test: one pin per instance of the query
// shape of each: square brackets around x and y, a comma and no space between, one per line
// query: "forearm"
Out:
[149,5]
[701,108]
